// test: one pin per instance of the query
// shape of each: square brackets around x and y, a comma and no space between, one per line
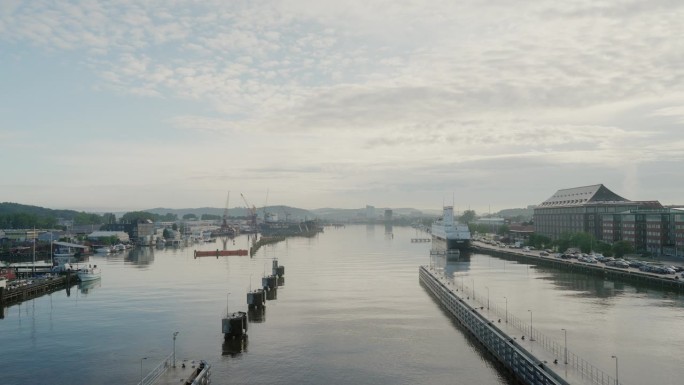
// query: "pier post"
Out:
[2,302]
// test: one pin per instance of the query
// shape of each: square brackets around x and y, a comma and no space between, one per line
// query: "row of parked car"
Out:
[648,267]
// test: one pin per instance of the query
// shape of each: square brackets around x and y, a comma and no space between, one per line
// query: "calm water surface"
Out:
[351,311]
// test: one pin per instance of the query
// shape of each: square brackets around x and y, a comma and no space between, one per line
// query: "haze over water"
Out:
[351,311]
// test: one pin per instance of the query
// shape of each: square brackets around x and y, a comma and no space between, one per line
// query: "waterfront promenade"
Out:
[523,349]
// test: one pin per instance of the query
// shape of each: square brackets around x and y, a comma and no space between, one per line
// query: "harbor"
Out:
[352,308]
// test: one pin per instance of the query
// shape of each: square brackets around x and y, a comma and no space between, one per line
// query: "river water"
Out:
[351,310]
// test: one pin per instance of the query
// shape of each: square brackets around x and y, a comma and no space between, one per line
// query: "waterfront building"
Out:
[136,231]
[657,230]
[582,209]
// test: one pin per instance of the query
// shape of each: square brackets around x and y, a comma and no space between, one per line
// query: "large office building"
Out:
[659,231]
[581,210]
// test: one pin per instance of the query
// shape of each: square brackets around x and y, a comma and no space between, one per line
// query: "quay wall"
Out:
[527,369]
[654,280]
[23,293]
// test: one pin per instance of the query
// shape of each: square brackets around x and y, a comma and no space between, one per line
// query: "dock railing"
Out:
[155,373]
[594,374]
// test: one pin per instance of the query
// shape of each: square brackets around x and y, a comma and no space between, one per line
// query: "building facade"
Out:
[659,231]
[582,210]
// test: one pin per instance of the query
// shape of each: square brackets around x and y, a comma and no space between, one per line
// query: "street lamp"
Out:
[141,377]
[531,330]
[506,298]
[174,348]
[473,281]
[617,382]
[565,332]
[486,287]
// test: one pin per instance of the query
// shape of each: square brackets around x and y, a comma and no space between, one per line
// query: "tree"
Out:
[138,216]
[584,241]
[621,248]
[539,241]
[108,218]
[169,217]
[467,217]
[190,217]
[503,230]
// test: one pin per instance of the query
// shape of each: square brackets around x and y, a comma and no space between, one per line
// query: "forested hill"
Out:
[18,216]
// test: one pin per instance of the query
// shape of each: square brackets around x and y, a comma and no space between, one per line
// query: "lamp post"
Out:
[531,330]
[141,377]
[486,287]
[473,281]
[174,348]
[565,332]
[506,298]
[617,382]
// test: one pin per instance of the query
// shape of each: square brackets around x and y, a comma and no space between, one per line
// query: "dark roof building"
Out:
[580,209]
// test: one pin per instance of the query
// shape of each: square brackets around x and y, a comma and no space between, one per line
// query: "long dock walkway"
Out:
[536,359]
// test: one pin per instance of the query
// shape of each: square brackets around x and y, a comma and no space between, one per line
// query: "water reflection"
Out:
[141,256]
[272,294]
[87,286]
[257,315]
[233,347]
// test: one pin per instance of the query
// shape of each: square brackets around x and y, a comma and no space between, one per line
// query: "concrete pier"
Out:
[532,361]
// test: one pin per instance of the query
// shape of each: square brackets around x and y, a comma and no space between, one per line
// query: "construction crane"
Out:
[252,213]
[225,213]
[226,229]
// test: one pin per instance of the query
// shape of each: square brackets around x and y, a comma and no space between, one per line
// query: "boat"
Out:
[448,234]
[104,250]
[89,273]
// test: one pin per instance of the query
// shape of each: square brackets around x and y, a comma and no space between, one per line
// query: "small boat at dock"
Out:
[89,273]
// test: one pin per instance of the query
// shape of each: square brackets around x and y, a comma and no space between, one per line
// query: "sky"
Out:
[131,105]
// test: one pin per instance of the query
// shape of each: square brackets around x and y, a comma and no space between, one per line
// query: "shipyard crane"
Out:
[225,213]
[252,213]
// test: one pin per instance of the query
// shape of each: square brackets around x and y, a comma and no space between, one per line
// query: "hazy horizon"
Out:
[120,106]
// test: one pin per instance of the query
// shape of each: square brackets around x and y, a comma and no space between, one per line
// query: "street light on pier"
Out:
[531,330]
[174,348]
[141,377]
[506,298]
[473,281]
[486,287]
[565,332]
[617,382]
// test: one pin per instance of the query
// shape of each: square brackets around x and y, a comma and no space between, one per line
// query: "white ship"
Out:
[447,234]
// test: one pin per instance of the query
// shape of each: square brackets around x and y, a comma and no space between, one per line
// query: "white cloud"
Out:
[386,84]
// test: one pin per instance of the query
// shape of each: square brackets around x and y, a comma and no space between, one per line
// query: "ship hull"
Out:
[441,243]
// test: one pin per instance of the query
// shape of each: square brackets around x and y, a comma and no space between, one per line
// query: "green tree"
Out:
[211,217]
[108,218]
[169,217]
[190,217]
[467,217]
[620,248]
[584,241]
[539,241]
[503,230]
[138,216]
